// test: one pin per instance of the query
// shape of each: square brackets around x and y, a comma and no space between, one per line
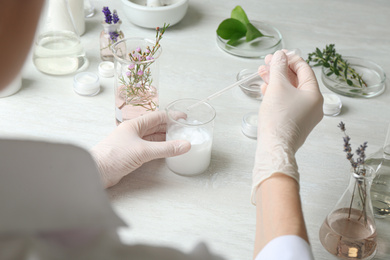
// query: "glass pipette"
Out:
[252,76]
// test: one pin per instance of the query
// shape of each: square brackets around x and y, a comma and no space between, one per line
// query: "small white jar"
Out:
[332,104]
[249,125]
[106,69]
[86,84]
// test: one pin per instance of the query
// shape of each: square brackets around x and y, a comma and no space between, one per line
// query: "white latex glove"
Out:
[291,107]
[133,143]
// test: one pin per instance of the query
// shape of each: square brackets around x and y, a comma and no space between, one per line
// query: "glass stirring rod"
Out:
[252,76]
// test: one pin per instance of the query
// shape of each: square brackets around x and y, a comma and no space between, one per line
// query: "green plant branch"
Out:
[330,59]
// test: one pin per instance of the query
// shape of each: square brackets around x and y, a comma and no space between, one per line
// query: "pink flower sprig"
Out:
[138,55]
[138,79]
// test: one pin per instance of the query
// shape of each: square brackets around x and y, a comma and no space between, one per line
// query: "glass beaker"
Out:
[58,50]
[136,77]
[349,230]
[380,189]
[196,126]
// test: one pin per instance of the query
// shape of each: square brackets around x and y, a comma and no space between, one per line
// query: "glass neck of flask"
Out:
[386,145]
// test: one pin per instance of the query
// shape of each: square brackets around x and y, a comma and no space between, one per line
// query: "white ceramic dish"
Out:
[171,12]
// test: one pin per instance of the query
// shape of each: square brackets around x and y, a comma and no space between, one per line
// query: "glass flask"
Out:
[349,230]
[77,12]
[111,34]
[380,189]
[58,50]
[89,9]
[136,79]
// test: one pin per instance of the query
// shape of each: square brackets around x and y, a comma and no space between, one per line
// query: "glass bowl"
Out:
[257,48]
[372,74]
[252,87]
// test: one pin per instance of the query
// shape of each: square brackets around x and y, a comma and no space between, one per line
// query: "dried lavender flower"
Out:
[107,14]
[114,36]
[358,165]
[115,17]
[341,125]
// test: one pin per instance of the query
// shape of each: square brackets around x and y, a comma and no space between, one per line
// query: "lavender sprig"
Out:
[108,17]
[107,14]
[114,36]
[115,17]
[358,165]
[359,169]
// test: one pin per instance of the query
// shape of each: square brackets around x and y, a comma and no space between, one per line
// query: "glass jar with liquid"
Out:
[58,49]
[380,189]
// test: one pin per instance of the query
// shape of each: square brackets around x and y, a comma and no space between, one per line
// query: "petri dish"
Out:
[257,48]
[251,88]
[371,72]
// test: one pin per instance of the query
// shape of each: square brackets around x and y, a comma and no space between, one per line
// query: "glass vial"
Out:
[58,50]
[108,37]
[349,230]
[380,190]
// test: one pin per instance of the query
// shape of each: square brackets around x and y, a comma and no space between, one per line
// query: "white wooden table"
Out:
[162,208]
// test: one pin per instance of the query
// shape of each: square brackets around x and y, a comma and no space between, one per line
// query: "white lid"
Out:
[249,125]
[332,104]
[86,84]
[106,69]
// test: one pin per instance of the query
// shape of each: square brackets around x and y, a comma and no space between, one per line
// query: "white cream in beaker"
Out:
[197,160]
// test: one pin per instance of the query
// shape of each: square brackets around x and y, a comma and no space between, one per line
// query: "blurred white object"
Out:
[106,69]
[153,3]
[89,9]
[77,11]
[12,88]
[149,15]
[332,104]
[86,84]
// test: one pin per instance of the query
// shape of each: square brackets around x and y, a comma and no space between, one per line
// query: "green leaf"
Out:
[346,71]
[239,14]
[319,53]
[349,82]
[252,32]
[335,66]
[326,65]
[231,28]
[234,40]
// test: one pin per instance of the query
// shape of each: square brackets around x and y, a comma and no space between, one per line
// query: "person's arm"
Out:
[18,21]
[278,210]
[291,107]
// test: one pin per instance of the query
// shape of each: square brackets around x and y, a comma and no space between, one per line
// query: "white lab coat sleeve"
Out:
[289,247]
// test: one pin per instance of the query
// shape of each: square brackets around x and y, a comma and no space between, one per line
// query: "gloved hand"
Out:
[133,143]
[291,107]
